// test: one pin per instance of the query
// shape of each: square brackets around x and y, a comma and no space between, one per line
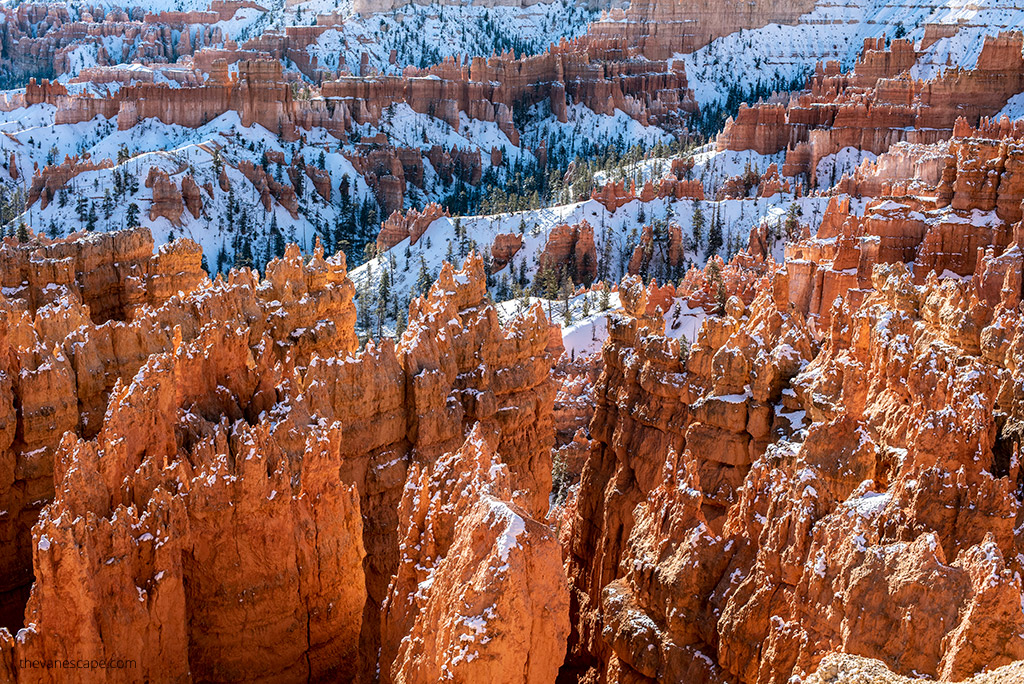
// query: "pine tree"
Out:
[423,279]
[92,217]
[698,225]
[792,224]
[715,235]
[82,208]
[344,193]
[714,277]
[276,238]
[383,296]
[400,323]
[243,255]
[222,258]
[132,219]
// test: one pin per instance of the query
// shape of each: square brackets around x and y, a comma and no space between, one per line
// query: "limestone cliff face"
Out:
[661,28]
[479,594]
[877,105]
[67,307]
[799,484]
[226,494]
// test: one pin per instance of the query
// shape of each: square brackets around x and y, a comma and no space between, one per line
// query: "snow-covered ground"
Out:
[176,150]
[615,234]
[836,31]
[585,326]
[422,35]
[33,140]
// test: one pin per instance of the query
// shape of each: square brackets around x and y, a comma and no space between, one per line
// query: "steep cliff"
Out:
[795,483]
[243,412]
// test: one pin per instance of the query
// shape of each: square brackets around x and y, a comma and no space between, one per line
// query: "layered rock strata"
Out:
[245,413]
[877,105]
[789,487]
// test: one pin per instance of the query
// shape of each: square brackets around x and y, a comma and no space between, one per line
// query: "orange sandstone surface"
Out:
[213,478]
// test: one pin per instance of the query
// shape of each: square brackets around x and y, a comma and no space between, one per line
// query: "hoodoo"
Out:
[512,341]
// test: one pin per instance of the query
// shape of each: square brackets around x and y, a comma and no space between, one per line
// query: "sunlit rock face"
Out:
[832,465]
[231,457]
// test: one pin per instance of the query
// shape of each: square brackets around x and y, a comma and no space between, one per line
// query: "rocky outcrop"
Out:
[191,195]
[503,248]
[479,594]
[615,194]
[877,105]
[661,29]
[841,667]
[190,434]
[950,209]
[570,251]
[68,305]
[828,466]
[270,189]
[51,179]
[410,225]
[166,197]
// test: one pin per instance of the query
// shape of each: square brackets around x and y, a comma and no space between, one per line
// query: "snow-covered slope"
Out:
[422,35]
[835,30]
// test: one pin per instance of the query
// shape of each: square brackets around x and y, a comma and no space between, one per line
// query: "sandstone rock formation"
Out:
[479,594]
[411,225]
[662,28]
[212,413]
[571,251]
[877,105]
[805,479]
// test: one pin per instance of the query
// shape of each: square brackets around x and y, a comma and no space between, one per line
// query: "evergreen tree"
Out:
[698,225]
[222,258]
[383,297]
[243,253]
[132,219]
[423,279]
[715,235]
[91,218]
[714,277]
[277,245]
[82,208]
[344,193]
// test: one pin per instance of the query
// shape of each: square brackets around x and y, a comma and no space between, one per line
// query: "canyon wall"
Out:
[241,409]
[661,28]
[877,105]
[831,465]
